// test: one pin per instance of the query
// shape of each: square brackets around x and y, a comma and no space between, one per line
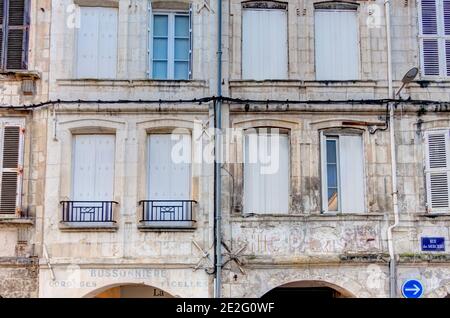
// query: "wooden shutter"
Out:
[351,165]
[437,171]
[11,171]
[14,33]
[264,44]
[266,192]
[97,43]
[2,3]
[336,45]
[168,179]
[94,158]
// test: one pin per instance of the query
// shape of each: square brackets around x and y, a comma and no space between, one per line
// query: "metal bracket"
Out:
[206,5]
[234,257]
[204,258]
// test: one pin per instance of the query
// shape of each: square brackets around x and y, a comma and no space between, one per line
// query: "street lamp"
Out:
[408,78]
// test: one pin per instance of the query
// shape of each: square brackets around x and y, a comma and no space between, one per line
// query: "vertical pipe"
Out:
[392,261]
[217,160]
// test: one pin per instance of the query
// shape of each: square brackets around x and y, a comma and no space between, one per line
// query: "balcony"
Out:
[92,215]
[167,215]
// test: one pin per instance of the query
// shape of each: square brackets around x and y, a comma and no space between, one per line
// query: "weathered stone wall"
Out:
[339,249]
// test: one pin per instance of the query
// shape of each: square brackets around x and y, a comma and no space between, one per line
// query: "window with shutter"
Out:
[264,42]
[266,172]
[14,32]
[336,41]
[11,139]
[437,171]
[169,177]
[342,173]
[434,18]
[97,43]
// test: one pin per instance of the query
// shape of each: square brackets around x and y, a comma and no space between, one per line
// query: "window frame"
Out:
[334,134]
[171,17]
[441,38]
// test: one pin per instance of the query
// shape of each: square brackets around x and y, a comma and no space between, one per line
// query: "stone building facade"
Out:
[129,92]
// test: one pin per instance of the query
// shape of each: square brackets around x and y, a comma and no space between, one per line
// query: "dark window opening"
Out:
[303,292]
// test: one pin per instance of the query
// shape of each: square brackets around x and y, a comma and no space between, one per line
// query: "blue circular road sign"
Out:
[412,289]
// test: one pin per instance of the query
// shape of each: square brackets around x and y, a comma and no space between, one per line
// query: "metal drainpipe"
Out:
[392,260]
[217,161]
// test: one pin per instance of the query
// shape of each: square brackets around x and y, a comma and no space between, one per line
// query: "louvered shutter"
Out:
[437,171]
[11,170]
[15,34]
[430,46]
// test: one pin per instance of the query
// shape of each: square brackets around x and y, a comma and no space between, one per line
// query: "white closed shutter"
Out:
[437,171]
[11,140]
[93,167]
[169,176]
[97,43]
[351,174]
[336,45]
[264,44]
[265,191]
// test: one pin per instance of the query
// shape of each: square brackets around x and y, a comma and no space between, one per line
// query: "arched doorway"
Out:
[308,289]
[130,291]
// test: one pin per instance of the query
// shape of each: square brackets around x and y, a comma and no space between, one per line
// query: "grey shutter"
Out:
[437,171]
[11,170]
[15,29]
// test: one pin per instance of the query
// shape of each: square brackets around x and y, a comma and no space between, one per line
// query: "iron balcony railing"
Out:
[88,211]
[167,210]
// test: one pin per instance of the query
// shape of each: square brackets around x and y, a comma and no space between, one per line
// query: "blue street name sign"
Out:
[412,289]
[436,244]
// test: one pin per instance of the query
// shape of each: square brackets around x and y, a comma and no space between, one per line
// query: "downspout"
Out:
[392,260]
[217,160]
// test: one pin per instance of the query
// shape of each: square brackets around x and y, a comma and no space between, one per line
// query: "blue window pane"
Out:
[332,175]
[181,49]
[182,26]
[331,151]
[160,49]
[160,25]
[160,70]
[181,70]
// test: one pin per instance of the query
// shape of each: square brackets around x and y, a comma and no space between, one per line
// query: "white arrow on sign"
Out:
[416,289]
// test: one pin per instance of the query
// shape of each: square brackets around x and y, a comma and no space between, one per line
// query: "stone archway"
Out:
[129,291]
[309,289]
